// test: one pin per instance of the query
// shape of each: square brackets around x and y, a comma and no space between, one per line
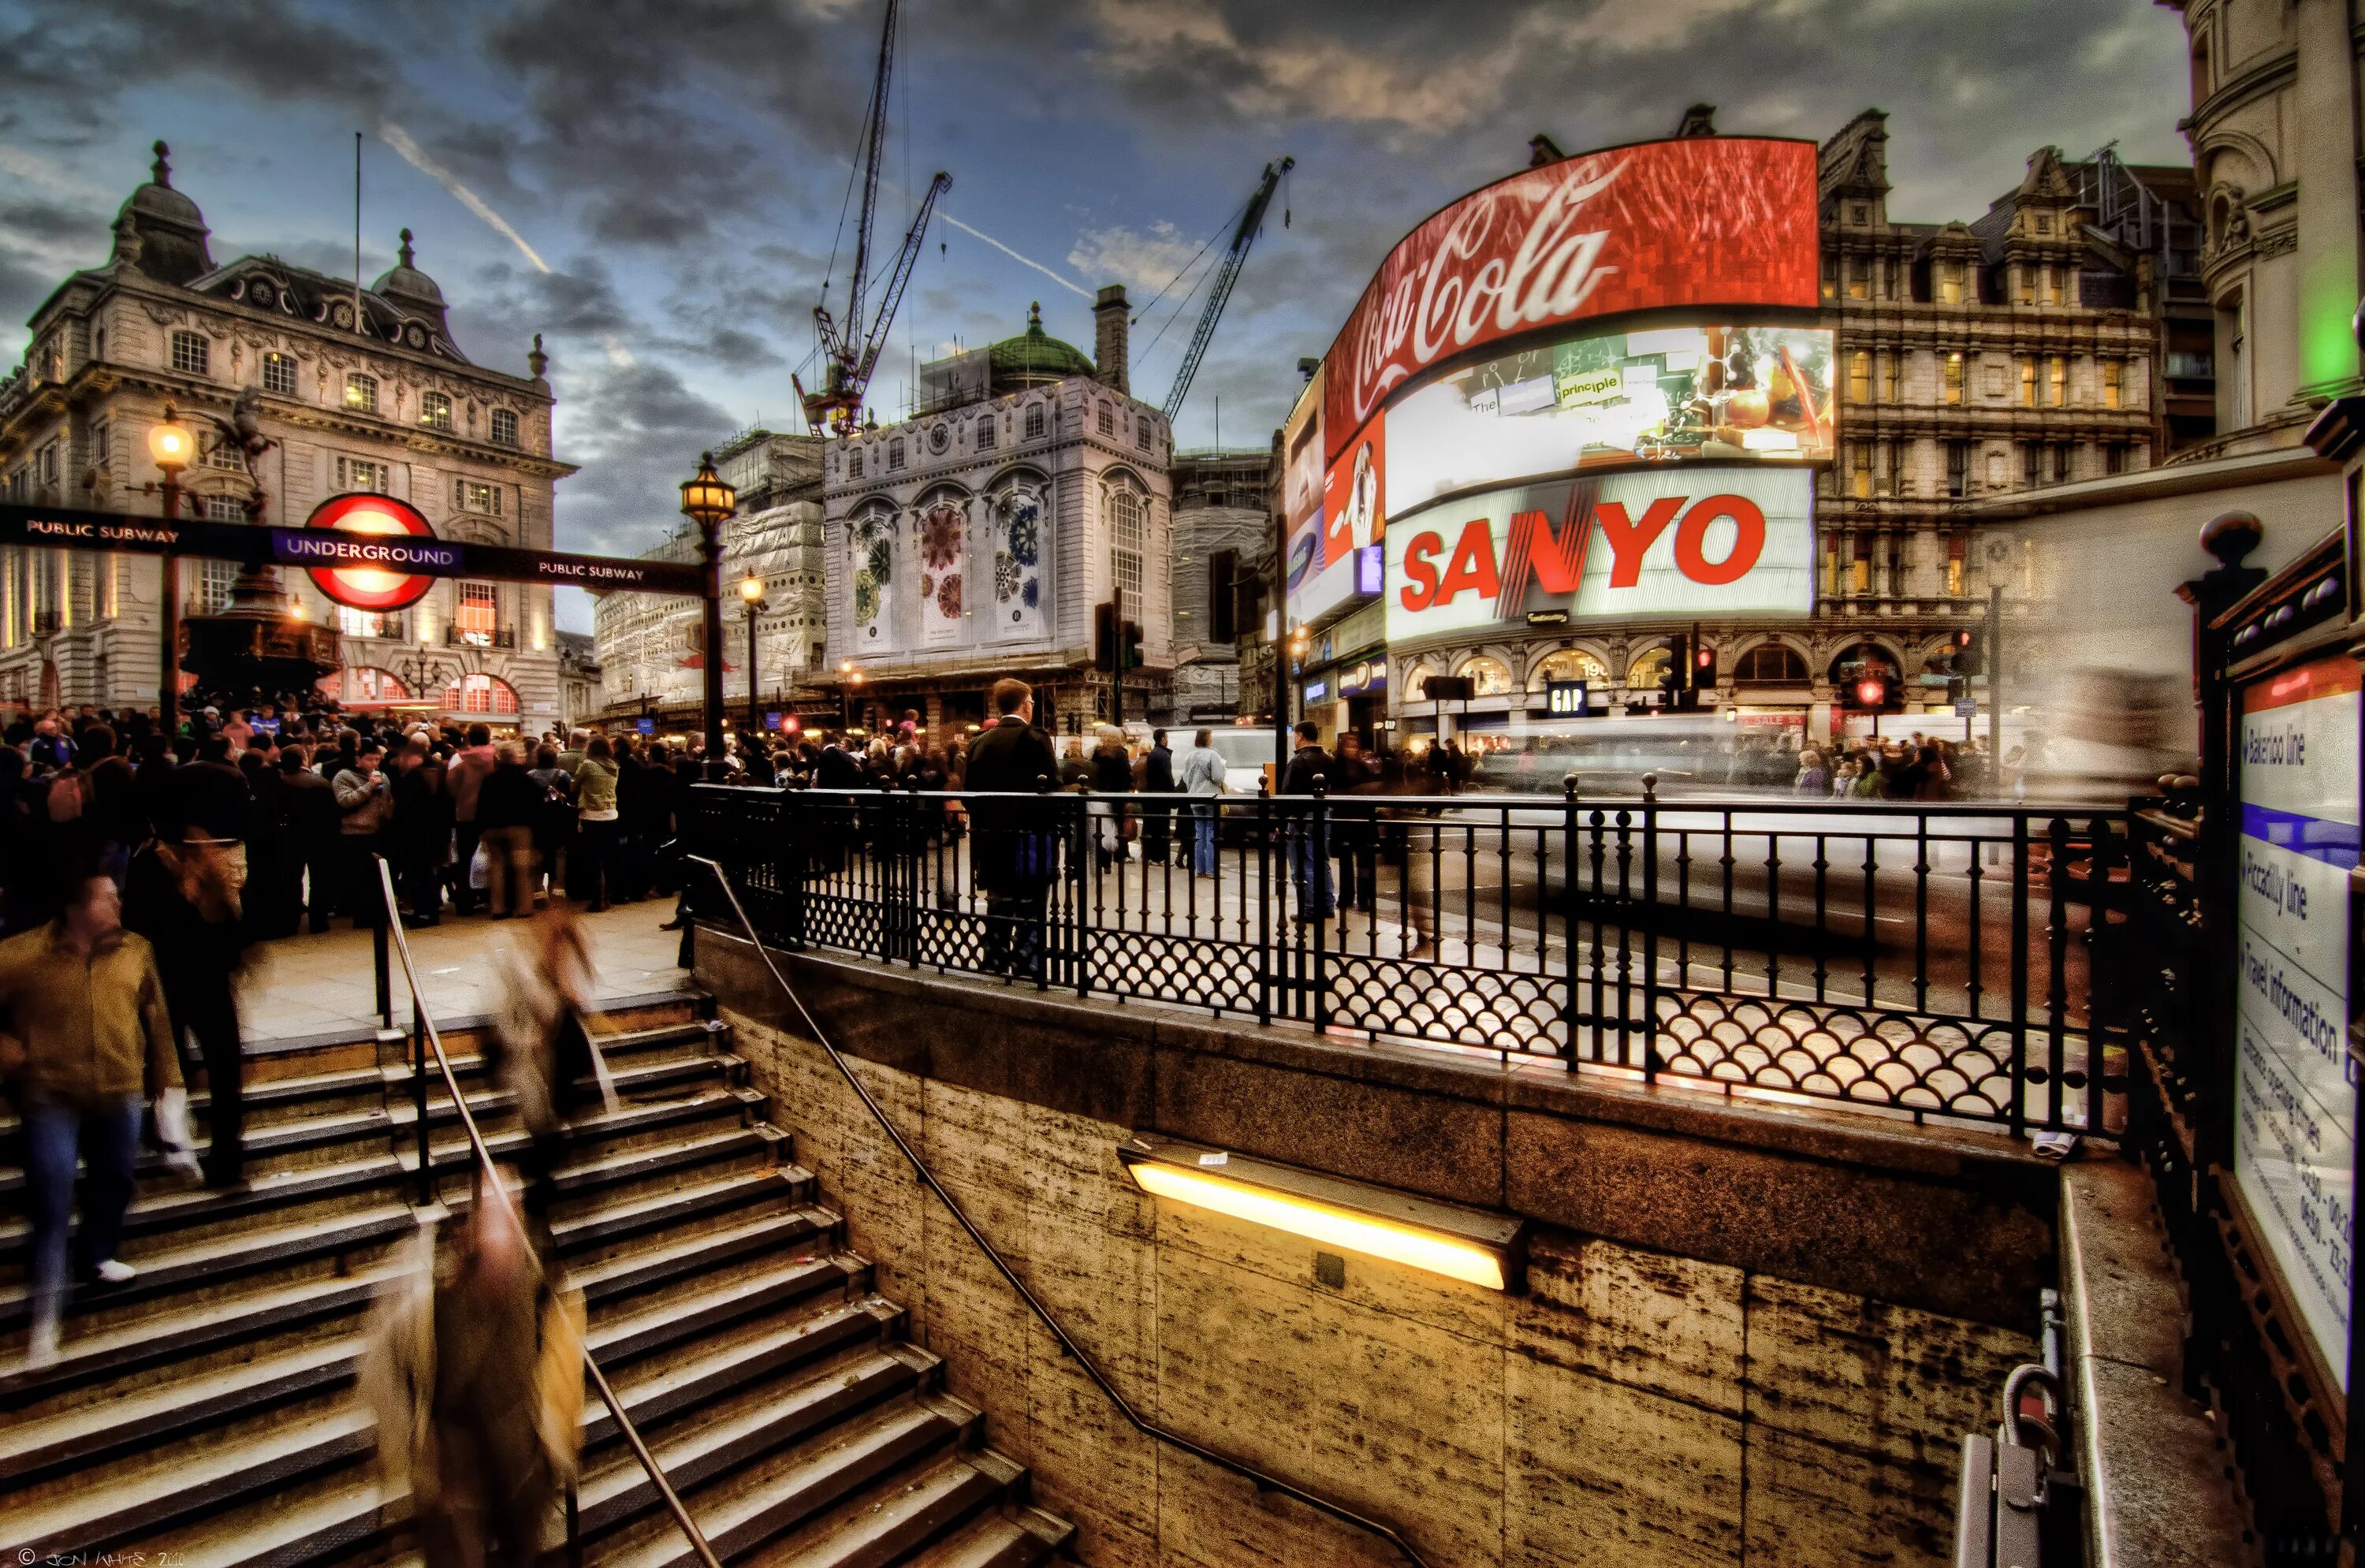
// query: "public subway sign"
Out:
[1706,222]
[332,551]
[2295,1091]
[1693,541]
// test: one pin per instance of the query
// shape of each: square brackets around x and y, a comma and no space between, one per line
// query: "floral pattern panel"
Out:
[1019,539]
[944,575]
[870,575]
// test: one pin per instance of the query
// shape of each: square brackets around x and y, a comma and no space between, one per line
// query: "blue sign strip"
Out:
[2336,844]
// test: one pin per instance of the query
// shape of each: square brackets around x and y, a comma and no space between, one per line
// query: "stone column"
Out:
[2324,107]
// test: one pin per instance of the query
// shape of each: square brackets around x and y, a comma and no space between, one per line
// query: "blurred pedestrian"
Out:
[88,1039]
[1157,816]
[365,808]
[506,808]
[540,1052]
[1309,856]
[1013,847]
[464,779]
[598,822]
[308,814]
[185,898]
[422,839]
[1202,777]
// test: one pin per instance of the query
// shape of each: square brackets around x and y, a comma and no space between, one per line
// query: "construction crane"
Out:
[1228,273]
[852,351]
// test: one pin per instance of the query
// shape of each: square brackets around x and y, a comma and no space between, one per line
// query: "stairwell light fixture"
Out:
[1472,1245]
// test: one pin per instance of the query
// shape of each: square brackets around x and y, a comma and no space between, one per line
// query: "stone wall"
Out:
[1631,1407]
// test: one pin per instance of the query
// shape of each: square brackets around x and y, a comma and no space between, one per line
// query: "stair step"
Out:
[774,1496]
[617,1340]
[155,1214]
[170,1271]
[321,1523]
[898,1519]
[1000,1540]
[187,1481]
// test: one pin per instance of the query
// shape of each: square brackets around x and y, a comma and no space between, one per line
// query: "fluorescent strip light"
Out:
[1163,1173]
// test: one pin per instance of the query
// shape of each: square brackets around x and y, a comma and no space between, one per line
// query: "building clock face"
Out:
[938,439]
[343,315]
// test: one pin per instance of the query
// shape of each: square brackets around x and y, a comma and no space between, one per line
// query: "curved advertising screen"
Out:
[1473,376]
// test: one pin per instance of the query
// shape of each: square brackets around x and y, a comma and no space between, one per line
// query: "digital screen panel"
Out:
[1663,395]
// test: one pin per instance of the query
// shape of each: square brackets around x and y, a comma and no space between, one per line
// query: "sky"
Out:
[660,187]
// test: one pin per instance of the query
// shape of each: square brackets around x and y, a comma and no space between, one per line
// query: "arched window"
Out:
[1861,659]
[1126,515]
[1487,678]
[1771,663]
[1568,665]
[1648,669]
[365,684]
[480,694]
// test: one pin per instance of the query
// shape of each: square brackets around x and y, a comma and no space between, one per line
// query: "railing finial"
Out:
[1651,787]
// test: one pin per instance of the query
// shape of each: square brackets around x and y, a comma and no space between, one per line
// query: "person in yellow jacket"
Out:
[87,1042]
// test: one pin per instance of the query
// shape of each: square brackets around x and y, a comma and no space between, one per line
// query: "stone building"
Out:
[976,539]
[380,401]
[1223,537]
[649,646]
[2107,651]
[578,677]
[2012,354]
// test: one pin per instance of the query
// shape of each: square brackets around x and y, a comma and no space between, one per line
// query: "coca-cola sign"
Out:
[1705,221]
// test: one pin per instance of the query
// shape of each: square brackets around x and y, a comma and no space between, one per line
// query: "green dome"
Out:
[1036,358]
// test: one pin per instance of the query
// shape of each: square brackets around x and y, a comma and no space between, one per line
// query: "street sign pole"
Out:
[1995,678]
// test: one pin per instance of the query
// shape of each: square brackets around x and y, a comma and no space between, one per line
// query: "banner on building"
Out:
[1019,536]
[870,571]
[944,574]
[1680,541]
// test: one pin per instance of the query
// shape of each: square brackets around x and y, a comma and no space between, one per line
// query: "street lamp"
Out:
[171,445]
[751,588]
[847,678]
[707,501]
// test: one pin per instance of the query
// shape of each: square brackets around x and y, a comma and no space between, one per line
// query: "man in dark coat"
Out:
[1013,842]
[307,808]
[1156,778]
[1309,854]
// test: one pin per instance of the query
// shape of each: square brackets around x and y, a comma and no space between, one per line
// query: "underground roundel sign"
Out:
[356,548]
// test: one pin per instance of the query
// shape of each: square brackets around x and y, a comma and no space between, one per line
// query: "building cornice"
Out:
[2150,485]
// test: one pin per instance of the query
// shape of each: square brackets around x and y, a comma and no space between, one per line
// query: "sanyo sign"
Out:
[1697,542]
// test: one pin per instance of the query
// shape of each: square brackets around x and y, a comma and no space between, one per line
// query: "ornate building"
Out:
[2012,354]
[648,647]
[975,540]
[578,677]
[1223,536]
[358,389]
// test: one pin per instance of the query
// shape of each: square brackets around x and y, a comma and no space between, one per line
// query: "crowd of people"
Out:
[1918,767]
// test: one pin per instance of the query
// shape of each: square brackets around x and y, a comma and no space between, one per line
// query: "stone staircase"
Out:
[207,1407]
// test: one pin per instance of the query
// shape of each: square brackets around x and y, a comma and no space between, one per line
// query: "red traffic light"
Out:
[792,723]
[1871,692]
[1705,658]
[1963,638]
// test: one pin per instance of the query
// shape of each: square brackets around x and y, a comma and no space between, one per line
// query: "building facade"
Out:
[356,389]
[977,539]
[2012,354]
[578,677]
[650,647]
[1223,538]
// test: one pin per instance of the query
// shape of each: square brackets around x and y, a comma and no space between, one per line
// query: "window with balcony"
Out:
[361,394]
[279,373]
[368,622]
[435,411]
[1859,377]
[505,427]
[221,508]
[191,352]
[475,613]
[361,474]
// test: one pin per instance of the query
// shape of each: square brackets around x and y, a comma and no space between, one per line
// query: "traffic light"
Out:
[1704,666]
[1959,688]
[1130,646]
[1970,654]
[1872,692]
[1679,659]
[1104,637]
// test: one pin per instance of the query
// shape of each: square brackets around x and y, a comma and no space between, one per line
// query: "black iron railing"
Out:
[1930,959]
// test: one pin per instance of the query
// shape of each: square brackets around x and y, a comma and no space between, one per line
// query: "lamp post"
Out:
[707,501]
[751,589]
[847,678]
[171,445]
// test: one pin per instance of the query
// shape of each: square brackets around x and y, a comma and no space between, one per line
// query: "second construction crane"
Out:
[1228,273]
[851,349]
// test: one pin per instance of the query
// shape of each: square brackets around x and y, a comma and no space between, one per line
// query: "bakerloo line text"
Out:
[1553,561]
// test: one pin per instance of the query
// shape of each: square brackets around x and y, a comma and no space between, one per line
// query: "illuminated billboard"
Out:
[1328,512]
[1709,394]
[1707,224]
[1673,542]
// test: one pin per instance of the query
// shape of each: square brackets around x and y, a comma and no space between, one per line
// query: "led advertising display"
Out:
[1703,223]
[1324,516]
[1690,541]
[1715,394]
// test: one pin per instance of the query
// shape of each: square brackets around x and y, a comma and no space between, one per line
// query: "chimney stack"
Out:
[1111,318]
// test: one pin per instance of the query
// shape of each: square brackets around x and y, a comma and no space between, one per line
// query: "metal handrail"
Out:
[1246,1472]
[489,1178]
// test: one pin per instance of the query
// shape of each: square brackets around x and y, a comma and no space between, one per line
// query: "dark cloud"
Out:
[637,431]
